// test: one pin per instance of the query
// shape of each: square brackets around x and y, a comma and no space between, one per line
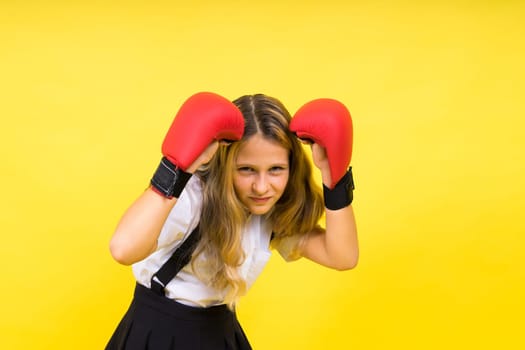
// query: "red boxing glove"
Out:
[203,118]
[328,123]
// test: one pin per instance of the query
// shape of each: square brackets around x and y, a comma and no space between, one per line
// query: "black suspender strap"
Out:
[180,258]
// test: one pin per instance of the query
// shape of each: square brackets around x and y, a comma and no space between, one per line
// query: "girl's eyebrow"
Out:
[282,165]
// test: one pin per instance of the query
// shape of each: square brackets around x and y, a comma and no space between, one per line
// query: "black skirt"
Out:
[155,322]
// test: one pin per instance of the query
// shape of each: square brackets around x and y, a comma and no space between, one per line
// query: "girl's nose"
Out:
[260,185]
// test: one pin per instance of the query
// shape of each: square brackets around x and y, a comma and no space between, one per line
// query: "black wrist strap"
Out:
[168,179]
[342,194]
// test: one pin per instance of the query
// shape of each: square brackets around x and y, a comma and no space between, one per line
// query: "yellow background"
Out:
[88,89]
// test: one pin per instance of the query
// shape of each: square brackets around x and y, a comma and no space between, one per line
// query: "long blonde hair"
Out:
[223,216]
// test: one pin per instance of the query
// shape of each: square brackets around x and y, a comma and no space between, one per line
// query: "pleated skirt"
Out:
[155,322]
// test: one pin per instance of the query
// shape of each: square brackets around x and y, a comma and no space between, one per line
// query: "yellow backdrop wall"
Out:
[436,93]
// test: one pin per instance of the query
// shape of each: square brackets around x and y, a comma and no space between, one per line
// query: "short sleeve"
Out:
[289,247]
[184,216]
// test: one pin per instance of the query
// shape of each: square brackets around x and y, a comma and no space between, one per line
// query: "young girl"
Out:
[234,181]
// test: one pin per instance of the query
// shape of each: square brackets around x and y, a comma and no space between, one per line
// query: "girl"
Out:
[201,234]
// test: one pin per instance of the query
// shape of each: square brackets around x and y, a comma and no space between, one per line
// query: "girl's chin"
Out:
[259,210]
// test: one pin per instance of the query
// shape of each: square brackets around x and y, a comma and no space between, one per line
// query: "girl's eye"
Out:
[276,169]
[245,169]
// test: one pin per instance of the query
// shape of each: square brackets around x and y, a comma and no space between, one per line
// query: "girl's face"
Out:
[261,173]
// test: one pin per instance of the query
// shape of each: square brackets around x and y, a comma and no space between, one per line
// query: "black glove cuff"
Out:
[342,194]
[169,180]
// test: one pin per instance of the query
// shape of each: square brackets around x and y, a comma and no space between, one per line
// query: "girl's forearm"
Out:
[136,234]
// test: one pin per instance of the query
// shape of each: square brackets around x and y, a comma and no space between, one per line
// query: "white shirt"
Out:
[186,287]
